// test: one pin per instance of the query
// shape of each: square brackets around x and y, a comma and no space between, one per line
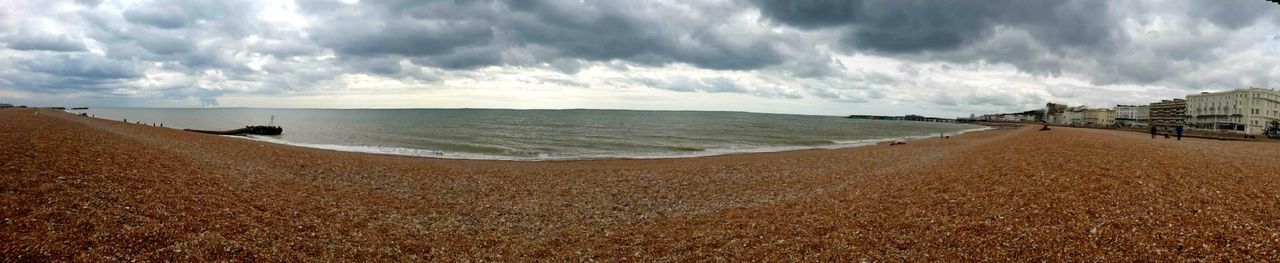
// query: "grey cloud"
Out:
[208,101]
[164,44]
[478,33]
[1049,38]
[859,87]
[943,99]
[567,66]
[564,82]
[227,18]
[813,13]
[996,100]
[1233,14]
[713,85]
[907,26]
[160,16]
[83,66]
[382,66]
[403,37]
[285,49]
[845,96]
[53,73]
[62,43]
[89,2]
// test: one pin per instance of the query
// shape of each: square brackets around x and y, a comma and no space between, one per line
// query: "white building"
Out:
[1246,111]
[1127,115]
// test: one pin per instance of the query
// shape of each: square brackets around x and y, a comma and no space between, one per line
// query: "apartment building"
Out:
[1168,113]
[1246,111]
[1143,117]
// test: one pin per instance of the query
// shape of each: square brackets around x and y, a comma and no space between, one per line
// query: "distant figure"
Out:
[1153,132]
[1045,128]
[1179,130]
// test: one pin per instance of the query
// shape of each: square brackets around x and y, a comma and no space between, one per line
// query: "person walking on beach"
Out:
[1179,131]
[1153,132]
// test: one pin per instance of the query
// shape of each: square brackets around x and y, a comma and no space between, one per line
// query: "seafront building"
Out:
[1143,117]
[1052,111]
[1168,114]
[1072,115]
[1246,111]
[1127,115]
[1103,117]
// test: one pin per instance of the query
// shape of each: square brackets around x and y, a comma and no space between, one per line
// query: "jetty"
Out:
[254,130]
[269,129]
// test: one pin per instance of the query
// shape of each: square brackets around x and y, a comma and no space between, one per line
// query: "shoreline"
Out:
[425,153]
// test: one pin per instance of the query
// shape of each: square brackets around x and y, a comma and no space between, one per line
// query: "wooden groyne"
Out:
[255,130]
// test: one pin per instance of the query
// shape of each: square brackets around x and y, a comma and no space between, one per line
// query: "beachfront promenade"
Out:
[77,188]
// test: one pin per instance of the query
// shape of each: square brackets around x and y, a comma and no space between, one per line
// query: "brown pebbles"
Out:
[82,189]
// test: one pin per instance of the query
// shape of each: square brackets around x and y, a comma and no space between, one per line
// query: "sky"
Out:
[890,57]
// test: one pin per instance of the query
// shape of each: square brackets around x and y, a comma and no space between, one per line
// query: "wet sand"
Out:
[83,189]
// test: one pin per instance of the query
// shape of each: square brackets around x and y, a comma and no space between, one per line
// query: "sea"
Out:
[572,134]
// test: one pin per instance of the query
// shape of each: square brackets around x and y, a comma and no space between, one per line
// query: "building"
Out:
[1143,117]
[1168,113]
[1071,116]
[5,105]
[1126,115]
[1052,111]
[1246,111]
[1101,117]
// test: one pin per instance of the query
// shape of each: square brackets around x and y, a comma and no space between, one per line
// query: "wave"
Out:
[675,151]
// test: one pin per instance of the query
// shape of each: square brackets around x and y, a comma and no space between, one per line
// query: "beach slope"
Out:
[84,189]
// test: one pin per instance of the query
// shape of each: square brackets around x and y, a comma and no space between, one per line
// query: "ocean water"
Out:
[541,134]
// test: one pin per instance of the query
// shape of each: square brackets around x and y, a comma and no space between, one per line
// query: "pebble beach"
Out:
[75,188]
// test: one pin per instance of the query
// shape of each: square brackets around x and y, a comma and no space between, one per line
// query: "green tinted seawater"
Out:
[542,134]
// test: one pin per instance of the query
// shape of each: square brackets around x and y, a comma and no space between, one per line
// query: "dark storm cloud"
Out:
[400,36]
[813,13]
[1084,38]
[1233,14]
[61,43]
[905,26]
[470,34]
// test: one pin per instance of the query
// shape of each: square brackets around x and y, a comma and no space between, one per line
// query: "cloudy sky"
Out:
[944,58]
